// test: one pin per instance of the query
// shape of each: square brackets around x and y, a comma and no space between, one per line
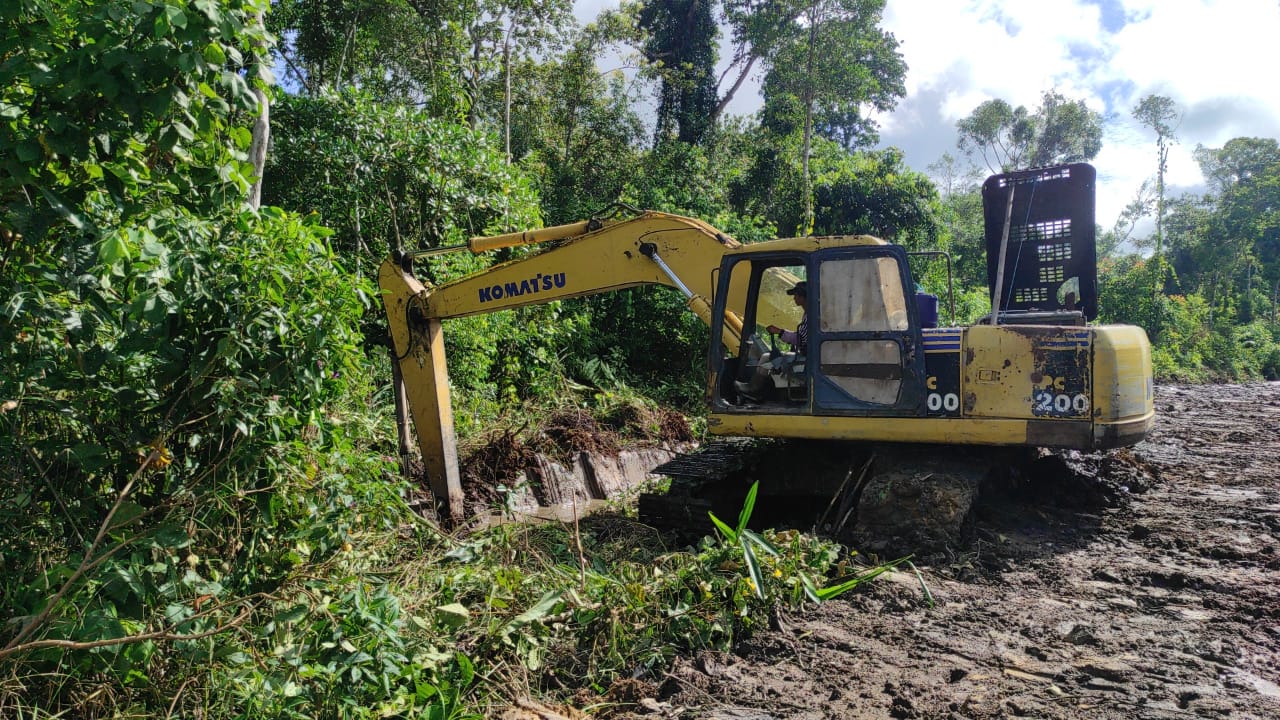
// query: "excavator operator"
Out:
[761,384]
[799,338]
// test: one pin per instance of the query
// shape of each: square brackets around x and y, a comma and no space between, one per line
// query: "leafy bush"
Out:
[1255,350]
[166,397]
[1185,343]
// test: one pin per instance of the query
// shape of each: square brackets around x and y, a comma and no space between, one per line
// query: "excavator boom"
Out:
[573,260]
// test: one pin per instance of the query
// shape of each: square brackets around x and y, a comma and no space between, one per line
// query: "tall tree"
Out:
[1158,113]
[681,49]
[837,65]
[757,28]
[1238,160]
[1007,138]
[577,129]
[395,49]
[498,33]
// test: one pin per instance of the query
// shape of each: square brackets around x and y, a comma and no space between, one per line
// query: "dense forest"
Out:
[202,509]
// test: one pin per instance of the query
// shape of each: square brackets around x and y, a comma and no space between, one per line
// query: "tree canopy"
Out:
[1006,138]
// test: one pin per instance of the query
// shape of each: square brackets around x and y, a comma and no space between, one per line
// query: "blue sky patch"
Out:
[1113,15]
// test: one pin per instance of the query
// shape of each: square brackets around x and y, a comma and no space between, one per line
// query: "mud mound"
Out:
[497,462]
[569,453]
[640,423]
[568,432]
[1083,481]
[673,428]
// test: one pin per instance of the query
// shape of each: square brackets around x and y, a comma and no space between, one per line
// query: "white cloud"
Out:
[1214,58]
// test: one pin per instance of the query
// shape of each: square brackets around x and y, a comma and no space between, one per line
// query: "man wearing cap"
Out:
[761,383]
[799,338]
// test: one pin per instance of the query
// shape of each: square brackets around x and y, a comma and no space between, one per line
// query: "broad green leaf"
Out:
[114,248]
[67,213]
[177,18]
[466,670]
[29,151]
[453,615]
[214,55]
[540,609]
[171,537]
[292,615]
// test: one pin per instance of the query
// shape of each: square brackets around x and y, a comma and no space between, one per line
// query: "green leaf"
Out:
[748,506]
[464,553]
[172,537]
[125,514]
[210,10]
[453,615]
[540,609]
[176,17]
[241,136]
[466,671]
[29,151]
[152,248]
[56,203]
[928,596]
[810,591]
[723,527]
[213,55]
[845,586]
[292,615]
[114,249]
[183,131]
[753,567]
[751,536]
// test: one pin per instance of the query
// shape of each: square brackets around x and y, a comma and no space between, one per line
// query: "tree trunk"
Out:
[261,135]
[808,128]
[506,93]
[728,96]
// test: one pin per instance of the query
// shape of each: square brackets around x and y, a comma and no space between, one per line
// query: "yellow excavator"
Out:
[873,370]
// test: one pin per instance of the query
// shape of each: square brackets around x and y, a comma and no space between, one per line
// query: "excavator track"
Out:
[879,497]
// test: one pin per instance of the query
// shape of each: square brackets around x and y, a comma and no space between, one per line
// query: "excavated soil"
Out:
[1136,584]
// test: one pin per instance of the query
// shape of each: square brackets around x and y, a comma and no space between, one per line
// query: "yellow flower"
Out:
[156,456]
[777,573]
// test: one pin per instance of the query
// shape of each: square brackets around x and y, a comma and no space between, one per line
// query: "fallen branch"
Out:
[164,635]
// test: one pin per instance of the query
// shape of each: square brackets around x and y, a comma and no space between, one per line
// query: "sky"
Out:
[1218,60]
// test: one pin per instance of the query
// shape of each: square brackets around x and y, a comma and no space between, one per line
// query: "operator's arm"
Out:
[787,336]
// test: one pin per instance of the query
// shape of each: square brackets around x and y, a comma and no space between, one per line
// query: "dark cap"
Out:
[800,288]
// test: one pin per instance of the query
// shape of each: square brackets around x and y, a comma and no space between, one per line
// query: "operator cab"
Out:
[860,356]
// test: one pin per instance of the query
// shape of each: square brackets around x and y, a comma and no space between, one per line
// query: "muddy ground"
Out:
[1148,591]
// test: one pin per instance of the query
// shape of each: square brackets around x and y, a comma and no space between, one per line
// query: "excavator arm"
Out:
[579,259]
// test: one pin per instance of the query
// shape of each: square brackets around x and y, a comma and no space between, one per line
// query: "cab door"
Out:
[864,333]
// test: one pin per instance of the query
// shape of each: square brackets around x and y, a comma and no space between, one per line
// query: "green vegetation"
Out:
[202,510]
